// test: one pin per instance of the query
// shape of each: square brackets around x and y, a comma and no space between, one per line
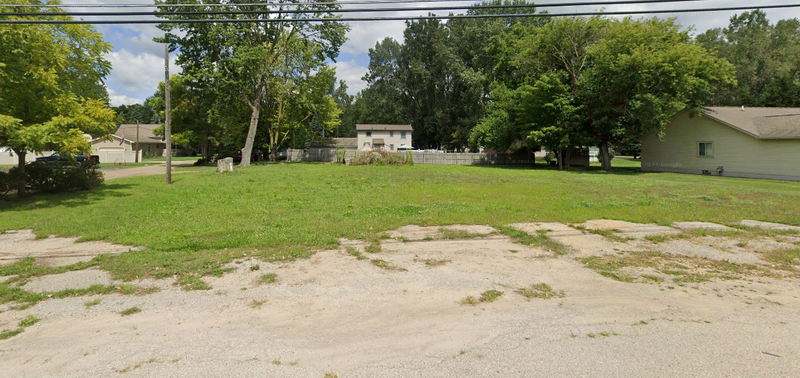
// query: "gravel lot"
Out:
[341,314]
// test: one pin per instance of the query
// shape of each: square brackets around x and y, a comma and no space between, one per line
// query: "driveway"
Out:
[160,169]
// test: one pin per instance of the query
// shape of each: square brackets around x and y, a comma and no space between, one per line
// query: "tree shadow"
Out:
[71,199]
[628,171]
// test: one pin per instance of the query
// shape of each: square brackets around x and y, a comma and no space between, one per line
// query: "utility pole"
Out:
[137,141]
[167,116]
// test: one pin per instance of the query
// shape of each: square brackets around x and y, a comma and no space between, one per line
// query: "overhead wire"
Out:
[316,18]
[339,10]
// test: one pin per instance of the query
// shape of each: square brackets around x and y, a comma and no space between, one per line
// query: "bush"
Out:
[340,155]
[8,182]
[381,157]
[54,177]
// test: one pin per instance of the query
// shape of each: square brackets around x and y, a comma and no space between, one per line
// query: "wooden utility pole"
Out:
[137,141]
[167,116]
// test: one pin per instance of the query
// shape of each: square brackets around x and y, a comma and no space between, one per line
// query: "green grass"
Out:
[130,311]
[93,302]
[205,220]
[29,321]
[540,290]
[485,297]
[385,265]
[539,240]
[268,278]
[192,282]
[10,333]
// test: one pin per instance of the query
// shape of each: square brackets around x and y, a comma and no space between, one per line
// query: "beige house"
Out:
[728,141]
[385,137]
[143,135]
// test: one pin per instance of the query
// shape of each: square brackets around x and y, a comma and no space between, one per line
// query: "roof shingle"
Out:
[761,123]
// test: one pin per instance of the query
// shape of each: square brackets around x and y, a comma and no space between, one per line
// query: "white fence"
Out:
[420,157]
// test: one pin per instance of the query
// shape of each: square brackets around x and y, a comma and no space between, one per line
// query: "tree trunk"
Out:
[247,151]
[204,148]
[21,172]
[605,158]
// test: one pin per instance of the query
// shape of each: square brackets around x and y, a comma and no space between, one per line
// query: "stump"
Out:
[225,165]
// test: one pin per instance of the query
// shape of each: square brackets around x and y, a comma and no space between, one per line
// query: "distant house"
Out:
[385,137]
[122,146]
[114,149]
[728,141]
[144,136]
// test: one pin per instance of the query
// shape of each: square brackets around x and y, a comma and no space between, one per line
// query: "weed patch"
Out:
[191,282]
[268,279]
[539,240]
[540,290]
[383,264]
[29,321]
[433,262]
[485,297]
[130,311]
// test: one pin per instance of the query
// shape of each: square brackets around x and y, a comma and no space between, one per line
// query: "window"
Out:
[705,149]
[402,135]
[391,133]
[369,133]
[391,147]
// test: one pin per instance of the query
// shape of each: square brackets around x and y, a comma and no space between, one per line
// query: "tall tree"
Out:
[191,121]
[242,59]
[51,90]
[765,57]
[611,80]
[641,74]
[381,101]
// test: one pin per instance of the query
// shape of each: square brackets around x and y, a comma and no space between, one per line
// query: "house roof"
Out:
[146,133]
[345,142]
[111,137]
[375,127]
[761,123]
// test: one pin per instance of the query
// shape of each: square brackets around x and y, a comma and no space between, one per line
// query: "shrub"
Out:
[8,182]
[340,155]
[381,157]
[53,177]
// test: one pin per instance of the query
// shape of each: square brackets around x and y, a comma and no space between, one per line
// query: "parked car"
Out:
[90,159]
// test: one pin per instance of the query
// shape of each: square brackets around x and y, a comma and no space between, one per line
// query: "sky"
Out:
[138,62]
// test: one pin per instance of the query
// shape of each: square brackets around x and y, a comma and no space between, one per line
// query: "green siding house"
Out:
[728,141]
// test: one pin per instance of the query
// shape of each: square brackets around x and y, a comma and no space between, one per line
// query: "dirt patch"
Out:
[414,232]
[52,251]
[583,243]
[769,225]
[623,229]
[691,226]
[79,279]
[334,312]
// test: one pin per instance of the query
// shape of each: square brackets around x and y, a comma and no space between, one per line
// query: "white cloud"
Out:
[117,99]
[137,73]
[351,72]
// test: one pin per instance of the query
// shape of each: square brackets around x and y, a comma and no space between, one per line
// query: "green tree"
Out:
[765,57]
[191,121]
[381,101]
[51,91]
[642,73]
[241,60]
[136,113]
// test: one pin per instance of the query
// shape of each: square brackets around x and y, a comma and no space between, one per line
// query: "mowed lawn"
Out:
[288,210]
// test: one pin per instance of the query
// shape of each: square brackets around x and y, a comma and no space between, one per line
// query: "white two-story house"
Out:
[385,137]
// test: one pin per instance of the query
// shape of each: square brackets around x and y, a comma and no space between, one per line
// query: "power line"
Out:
[397,18]
[363,2]
[345,10]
